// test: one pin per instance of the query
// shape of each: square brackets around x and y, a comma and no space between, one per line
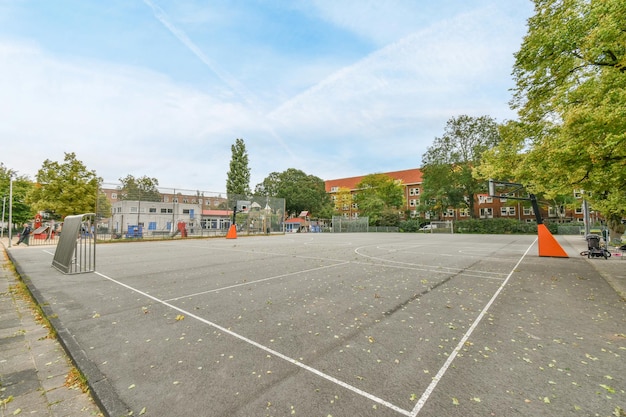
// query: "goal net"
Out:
[442,226]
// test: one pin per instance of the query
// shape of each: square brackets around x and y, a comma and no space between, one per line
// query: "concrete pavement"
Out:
[33,367]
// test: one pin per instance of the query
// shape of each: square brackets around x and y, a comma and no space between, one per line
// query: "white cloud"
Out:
[118,120]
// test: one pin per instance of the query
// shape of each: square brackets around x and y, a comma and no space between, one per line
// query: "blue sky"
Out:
[162,88]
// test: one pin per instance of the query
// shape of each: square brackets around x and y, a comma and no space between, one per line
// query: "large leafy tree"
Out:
[142,188]
[238,177]
[66,188]
[570,95]
[21,211]
[302,192]
[448,165]
[379,197]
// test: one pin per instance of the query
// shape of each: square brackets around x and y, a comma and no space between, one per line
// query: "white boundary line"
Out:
[429,390]
[256,281]
[432,268]
[265,348]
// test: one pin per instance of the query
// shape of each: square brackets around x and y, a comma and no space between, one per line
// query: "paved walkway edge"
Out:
[100,388]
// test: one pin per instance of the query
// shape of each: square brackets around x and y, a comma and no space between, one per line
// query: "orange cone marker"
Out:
[548,246]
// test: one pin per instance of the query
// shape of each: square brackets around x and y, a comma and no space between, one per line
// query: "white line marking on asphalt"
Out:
[265,348]
[432,268]
[429,390]
[256,281]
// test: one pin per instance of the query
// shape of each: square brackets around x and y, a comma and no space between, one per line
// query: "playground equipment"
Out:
[548,245]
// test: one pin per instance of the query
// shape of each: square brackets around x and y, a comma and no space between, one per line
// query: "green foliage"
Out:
[103,206]
[448,165]
[570,94]
[21,211]
[63,189]
[238,177]
[143,188]
[410,226]
[379,194]
[301,192]
[494,226]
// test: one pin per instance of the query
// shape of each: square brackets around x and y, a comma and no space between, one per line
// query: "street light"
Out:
[10,207]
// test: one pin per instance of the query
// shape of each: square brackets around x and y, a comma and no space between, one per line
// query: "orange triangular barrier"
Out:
[548,246]
[232,232]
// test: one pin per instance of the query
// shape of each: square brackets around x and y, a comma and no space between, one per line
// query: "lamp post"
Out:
[4,203]
[10,207]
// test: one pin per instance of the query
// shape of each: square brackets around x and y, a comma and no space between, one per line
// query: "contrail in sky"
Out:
[230,81]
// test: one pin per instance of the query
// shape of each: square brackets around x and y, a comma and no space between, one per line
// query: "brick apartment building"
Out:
[486,207]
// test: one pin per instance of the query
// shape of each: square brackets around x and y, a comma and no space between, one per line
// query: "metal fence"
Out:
[341,224]
[168,213]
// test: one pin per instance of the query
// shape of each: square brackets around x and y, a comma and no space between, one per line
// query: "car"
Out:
[428,227]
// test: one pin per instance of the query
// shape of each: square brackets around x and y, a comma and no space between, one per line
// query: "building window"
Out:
[355,206]
[507,211]
[152,226]
[528,211]
[133,209]
[449,213]
[412,203]
[185,211]
[334,189]
[414,191]
[578,193]
[464,212]
[484,199]
[579,210]
[152,210]
[113,196]
[166,199]
[486,213]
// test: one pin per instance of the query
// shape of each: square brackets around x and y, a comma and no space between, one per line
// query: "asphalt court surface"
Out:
[341,325]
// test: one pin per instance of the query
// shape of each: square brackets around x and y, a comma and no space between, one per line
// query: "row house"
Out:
[343,190]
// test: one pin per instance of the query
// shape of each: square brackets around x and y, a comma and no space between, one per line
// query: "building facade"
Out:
[343,190]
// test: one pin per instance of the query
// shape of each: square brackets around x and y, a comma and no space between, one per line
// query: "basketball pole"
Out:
[548,245]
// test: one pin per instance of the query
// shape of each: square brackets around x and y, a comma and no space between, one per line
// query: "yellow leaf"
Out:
[546,400]
[143,411]
[17,411]
[180,317]
[455,401]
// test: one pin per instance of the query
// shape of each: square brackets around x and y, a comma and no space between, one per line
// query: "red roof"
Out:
[408,176]
[295,220]
[217,212]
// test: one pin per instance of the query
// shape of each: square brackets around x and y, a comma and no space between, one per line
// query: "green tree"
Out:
[63,189]
[378,194]
[238,178]
[143,188]
[301,192]
[103,206]
[21,211]
[448,165]
[570,94]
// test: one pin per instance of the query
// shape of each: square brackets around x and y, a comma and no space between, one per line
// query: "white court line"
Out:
[265,348]
[427,268]
[430,268]
[257,281]
[429,390]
